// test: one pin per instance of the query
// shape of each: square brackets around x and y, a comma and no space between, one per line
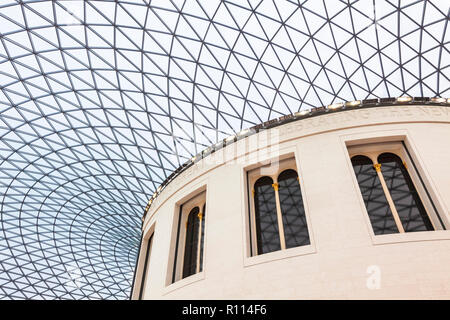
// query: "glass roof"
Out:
[101,100]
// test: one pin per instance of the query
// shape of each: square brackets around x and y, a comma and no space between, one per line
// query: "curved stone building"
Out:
[349,201]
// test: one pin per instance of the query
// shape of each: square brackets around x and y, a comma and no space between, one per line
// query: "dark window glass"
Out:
[374,198]
[406,199]
[292,210]
[202,241]
[190,251]
[268,238]
[144,269]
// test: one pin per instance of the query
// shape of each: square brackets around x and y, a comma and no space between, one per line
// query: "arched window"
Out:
[377,206]
[267,233]
[396,198]
[191,243]
[407,202]
[279,220]
[292,209]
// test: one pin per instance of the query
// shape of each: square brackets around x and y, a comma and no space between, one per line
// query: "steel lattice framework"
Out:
[101,100]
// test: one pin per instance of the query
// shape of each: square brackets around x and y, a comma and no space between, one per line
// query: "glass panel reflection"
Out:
[268,238]
[374,198]
[190,251]
[292,210]
[406,199]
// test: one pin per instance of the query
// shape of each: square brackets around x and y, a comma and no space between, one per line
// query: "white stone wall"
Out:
[344,260]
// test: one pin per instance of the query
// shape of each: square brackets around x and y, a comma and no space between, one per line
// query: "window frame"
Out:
[143,263]
[253,173]
[373,151]
[183,211]
[146,266]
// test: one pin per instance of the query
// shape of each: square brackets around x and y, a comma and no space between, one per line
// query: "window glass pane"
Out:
[190,251]
[406,199]
[292,210]
[374,198]
[202,241]
[268,238]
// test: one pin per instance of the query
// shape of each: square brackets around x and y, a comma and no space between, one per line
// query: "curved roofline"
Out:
[305,114]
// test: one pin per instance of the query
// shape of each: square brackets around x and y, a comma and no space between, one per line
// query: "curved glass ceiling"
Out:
[101,100]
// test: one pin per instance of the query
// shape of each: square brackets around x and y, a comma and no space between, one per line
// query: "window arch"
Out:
[292,209]
[394,193]
[277,215]
[189,242]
